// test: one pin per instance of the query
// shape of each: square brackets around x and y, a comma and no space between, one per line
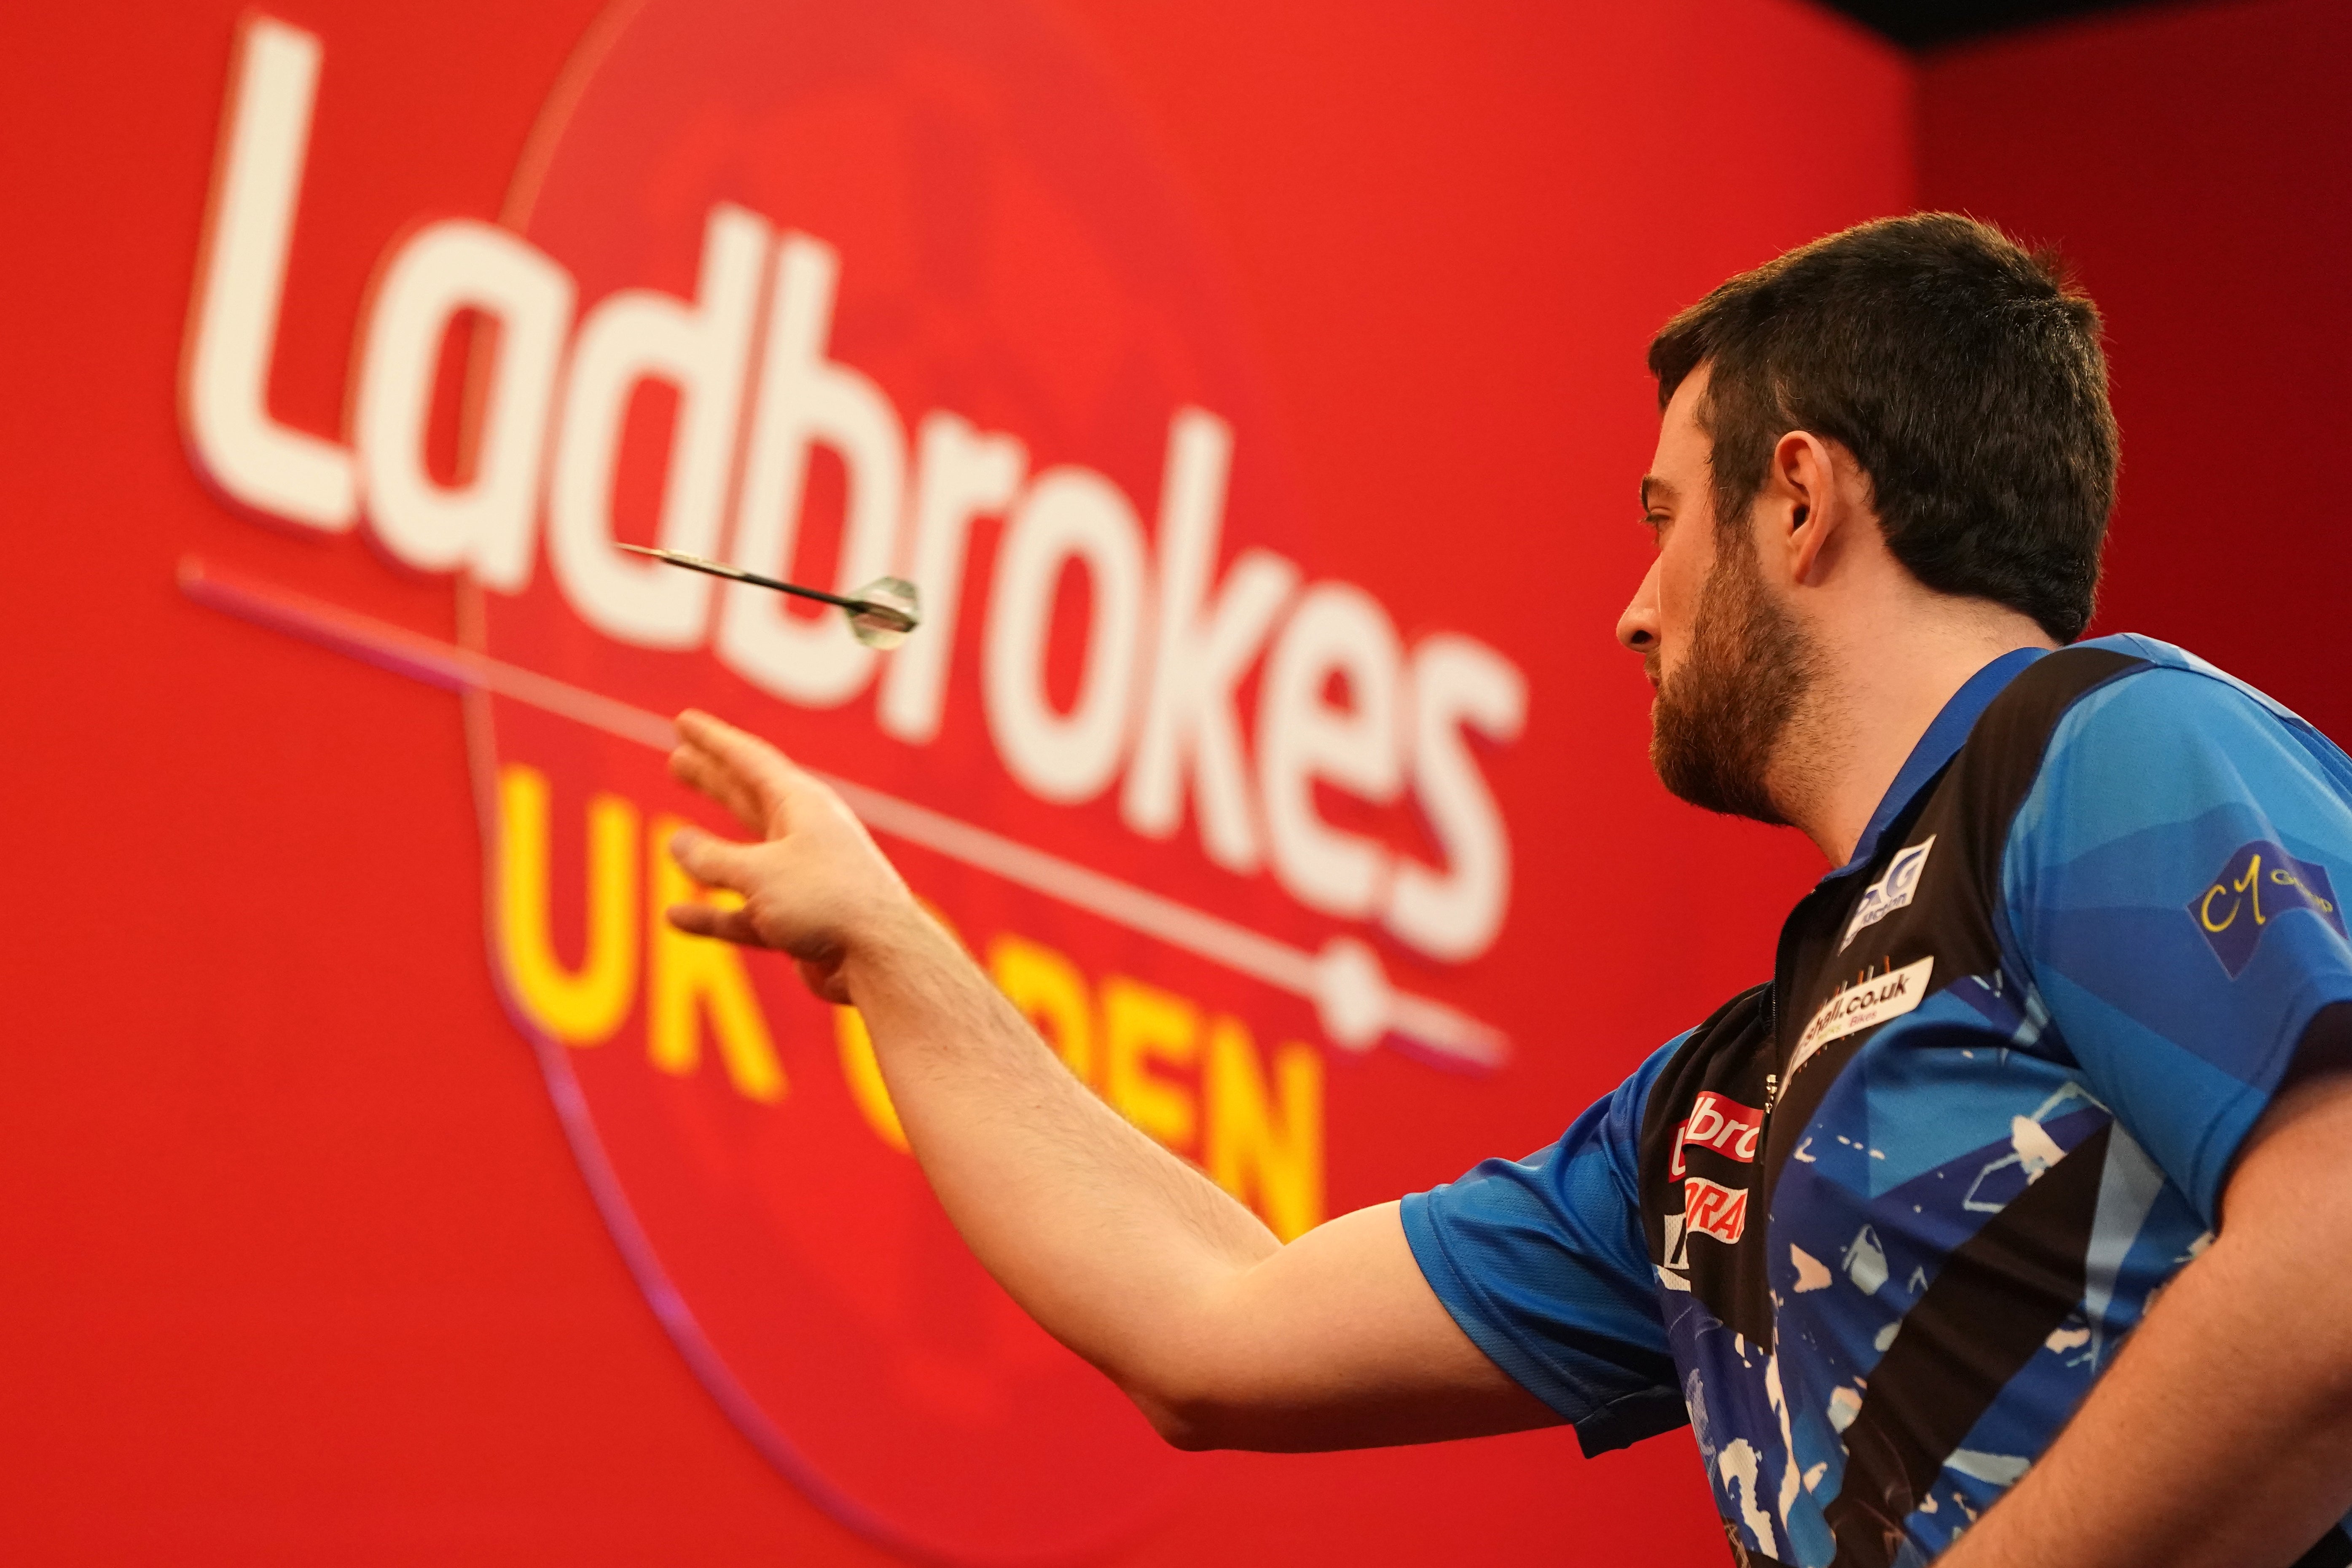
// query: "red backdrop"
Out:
[300,1265]
[2189,161]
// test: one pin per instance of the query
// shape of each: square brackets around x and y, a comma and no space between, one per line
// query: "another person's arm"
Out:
[1221,1334]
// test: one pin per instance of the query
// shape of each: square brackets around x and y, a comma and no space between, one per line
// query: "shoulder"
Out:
[2154,781]
[2165,736]
[2125,725]
[2169,889]
[1611,1128]
[2127,673]
[1726,1041]
[1608,1135]
[2156,688]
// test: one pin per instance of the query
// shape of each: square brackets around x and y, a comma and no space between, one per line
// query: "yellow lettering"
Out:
[863,1074]
[695,975]
[2286,878]
[2251,882]
[2205,909]
[1143,1025]
[1268,1155]
[580,1007]
[1051,993]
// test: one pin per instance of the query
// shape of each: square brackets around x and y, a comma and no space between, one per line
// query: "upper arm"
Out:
[2172,882]
[1336,1341]
[1543,1264]
[1519,1296]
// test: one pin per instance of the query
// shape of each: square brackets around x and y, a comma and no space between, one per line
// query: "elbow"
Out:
[1191,1421]
[1196,1380]
[1185,1435]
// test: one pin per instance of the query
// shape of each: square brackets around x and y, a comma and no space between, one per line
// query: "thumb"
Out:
[712,861]
[709,919]
[825,978]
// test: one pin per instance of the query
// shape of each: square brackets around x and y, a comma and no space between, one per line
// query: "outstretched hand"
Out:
[813,884]
[1127,1254]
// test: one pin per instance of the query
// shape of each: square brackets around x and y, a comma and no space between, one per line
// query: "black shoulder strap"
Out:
[1996,768]
[2000,1294]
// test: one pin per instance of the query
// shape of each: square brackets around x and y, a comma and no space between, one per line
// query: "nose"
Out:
[1637,624]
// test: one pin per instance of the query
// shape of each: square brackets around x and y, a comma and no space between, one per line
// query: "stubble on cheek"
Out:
[1716,723]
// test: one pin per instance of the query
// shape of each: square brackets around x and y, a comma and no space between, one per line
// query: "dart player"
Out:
[2008,1223]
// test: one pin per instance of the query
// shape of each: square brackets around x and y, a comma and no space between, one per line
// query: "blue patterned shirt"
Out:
[1874,1228]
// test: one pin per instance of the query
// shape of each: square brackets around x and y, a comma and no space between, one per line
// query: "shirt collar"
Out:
[1944,738]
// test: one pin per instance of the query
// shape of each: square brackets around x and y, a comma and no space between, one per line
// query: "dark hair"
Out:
[1965,375]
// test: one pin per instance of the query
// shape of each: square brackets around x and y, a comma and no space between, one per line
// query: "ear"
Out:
[1808,509]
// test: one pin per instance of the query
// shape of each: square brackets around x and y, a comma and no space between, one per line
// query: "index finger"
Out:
[760,770]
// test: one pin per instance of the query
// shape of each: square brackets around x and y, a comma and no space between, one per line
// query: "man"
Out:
[2059,1035]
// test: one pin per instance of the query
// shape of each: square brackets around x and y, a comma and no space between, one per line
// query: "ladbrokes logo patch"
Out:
[2257,885]
[1711,1209]
[1725,1126]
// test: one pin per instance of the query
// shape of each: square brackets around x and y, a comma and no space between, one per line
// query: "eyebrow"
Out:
[1652,481]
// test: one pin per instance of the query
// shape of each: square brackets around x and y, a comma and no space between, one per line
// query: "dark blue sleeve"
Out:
[1543,1264]
[2172,884]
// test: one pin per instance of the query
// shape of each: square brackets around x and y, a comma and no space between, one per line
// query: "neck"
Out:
[1877,691]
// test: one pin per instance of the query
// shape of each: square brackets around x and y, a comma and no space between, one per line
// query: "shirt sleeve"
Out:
[2171,883]
[1542,1263]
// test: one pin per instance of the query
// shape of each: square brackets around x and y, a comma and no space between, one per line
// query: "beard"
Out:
[1718,724]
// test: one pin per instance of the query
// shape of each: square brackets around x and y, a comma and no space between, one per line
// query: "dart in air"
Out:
[880,614]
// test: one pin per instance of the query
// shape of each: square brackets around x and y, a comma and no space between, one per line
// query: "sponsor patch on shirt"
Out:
[2259,883]
[1712,1210]
[1858,1007]
[1725,1126]
[1893,890]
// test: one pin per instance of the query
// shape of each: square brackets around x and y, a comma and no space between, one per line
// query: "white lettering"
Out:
[224,379]
[1339,707]
[637,335]
[1892,892]
[959,475]
[487,522]
[1198,657]
[1069,514]
[805,398]
[1338,630]
[1455,683]
[1861,1006]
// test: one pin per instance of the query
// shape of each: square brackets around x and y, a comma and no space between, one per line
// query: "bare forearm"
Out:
[1117,1247]
[1125,1253]
[1223,1336]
